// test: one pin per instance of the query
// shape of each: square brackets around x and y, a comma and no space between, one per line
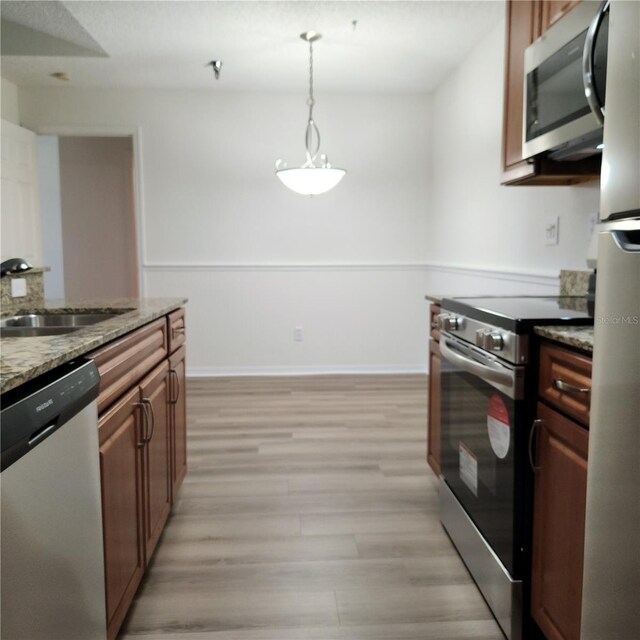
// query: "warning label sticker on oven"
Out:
[498,426]
[468,468]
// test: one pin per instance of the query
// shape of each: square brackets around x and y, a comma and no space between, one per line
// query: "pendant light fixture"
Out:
[310,179]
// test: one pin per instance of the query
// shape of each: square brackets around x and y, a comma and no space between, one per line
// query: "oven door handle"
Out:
[486,372]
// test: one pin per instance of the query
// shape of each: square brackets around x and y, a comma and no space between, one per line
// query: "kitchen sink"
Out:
[49,324]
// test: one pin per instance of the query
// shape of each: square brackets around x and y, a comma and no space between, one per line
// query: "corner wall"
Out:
[476,223]
[255,259]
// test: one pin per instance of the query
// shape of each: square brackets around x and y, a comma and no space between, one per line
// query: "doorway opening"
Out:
[88,217]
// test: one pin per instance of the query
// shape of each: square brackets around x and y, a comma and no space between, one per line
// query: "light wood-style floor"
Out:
[309,512]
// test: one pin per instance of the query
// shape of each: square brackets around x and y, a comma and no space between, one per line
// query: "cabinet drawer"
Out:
[122,363]
[177,329]
[433,321]
[565,381]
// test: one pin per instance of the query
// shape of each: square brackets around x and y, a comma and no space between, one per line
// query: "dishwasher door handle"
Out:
[40,435]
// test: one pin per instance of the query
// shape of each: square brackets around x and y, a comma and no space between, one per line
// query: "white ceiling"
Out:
[396,46]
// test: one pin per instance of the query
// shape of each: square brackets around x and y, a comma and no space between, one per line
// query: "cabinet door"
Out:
[154,394]
[554,10]
[178,418]
[122,509]
[433,436]
[558,525]
[522,26]
[177,329]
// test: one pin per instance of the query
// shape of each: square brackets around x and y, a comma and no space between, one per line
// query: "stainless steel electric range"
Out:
[489,374]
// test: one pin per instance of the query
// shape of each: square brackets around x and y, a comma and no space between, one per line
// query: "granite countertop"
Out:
[578,337]
[22,359]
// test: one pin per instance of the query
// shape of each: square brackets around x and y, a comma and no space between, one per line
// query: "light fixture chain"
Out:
[311,100]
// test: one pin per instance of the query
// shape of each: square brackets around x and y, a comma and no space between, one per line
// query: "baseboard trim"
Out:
[347,370]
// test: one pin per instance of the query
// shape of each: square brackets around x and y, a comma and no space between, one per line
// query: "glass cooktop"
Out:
[518,313]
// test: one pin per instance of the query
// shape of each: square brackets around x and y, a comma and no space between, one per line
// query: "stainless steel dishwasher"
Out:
[51,526]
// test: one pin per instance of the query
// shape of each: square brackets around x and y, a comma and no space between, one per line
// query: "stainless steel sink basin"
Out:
[49,324]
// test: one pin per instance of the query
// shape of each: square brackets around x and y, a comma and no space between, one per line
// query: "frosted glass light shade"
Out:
[310,181]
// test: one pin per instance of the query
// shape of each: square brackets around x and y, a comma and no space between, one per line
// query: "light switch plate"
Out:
[18,287]
[551,230]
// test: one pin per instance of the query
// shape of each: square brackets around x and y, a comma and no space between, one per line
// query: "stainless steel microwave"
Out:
[564,85]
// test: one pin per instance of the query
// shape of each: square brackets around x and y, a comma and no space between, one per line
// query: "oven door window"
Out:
[479,454]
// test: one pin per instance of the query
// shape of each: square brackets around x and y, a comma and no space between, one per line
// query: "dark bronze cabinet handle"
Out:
[176,385]
[152,419]
[532,433]
[145,422]
[561,385]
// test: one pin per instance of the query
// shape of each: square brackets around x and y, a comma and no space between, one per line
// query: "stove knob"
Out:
[480,334]
[448,322]
[493,341]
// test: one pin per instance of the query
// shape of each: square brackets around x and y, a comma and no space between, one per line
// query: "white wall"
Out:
[51,215]
[341,265]
[475,222]
[9,93]
[421,210]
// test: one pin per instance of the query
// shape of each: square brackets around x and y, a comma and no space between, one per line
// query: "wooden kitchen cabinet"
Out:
[565,381]
[154,395]
[524,24]
[554,10]
[433,427]
[125,361]
[522,28]
[560,498]
[178,418]
[142,432]
[121,441]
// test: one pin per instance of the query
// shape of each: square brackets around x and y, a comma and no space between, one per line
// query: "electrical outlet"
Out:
[297,334]
[18,287]
[551,230]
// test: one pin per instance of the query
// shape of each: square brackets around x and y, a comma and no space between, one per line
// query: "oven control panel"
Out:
[505,344]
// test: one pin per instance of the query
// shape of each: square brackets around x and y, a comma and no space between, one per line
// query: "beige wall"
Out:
[96,181]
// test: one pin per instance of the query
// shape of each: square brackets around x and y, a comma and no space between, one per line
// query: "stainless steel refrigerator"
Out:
[611,588]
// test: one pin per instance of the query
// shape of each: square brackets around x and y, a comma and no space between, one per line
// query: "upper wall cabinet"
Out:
[526,20]
[553,10]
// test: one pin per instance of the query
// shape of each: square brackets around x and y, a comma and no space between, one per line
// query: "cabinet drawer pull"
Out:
[152,418]
[180,330]
[532,433]
[561,385]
